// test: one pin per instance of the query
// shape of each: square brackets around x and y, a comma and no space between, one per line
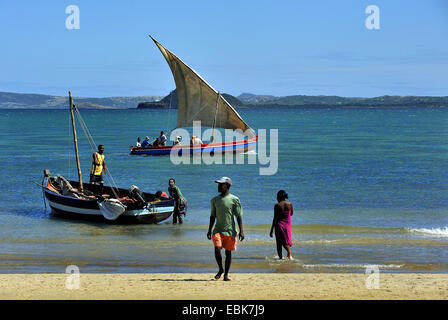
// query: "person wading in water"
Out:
[180,204]
[283,211]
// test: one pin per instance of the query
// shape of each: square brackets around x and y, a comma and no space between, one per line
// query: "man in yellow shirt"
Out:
[98,166]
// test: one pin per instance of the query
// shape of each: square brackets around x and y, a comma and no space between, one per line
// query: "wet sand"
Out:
[195,286]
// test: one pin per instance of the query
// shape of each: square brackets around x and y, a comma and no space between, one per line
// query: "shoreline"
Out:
[243,286]
[248,107]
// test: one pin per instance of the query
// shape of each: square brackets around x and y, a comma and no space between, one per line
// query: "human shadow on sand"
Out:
[180,280]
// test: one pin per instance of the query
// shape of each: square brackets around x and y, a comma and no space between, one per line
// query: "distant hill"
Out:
[235,102]
[172,98]
[336,101]
[253,98]
[9,100]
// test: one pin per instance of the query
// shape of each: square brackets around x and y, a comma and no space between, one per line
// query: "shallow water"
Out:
[369,187]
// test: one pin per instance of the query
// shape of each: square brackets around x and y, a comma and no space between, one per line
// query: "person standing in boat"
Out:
[283,211]
[162,139]
[225,207]
[180,204]
[98,166]
[138,144]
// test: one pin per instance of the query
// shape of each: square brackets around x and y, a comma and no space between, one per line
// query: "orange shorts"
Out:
[226,242]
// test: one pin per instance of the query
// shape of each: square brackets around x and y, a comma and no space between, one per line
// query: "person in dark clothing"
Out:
[180,204]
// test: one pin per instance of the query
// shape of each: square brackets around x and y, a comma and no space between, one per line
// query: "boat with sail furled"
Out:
[199,101]
[75,199]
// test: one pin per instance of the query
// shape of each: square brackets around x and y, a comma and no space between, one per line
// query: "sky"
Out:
[262,47]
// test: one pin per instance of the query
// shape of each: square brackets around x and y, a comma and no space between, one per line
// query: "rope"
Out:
[108,175]
[169,112]
[92,146]
[69,146]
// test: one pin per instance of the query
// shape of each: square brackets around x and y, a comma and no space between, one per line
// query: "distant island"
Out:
[9,100]
[335,101]
[170,101]
[248,100]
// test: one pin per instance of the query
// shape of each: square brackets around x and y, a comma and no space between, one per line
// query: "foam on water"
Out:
[438,232]
[353,266]
[275,261]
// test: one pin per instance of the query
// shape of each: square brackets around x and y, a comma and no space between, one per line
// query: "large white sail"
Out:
[197,100]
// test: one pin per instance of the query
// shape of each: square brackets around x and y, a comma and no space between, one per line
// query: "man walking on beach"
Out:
[224,208]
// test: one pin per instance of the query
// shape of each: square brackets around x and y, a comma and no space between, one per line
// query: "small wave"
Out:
[439,232]
[316,241]
[353,266]
[274,260]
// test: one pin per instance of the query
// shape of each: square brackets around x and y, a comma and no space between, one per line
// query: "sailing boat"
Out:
[199,101]
[76,199]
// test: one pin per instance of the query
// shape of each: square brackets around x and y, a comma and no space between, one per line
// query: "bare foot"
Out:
[226,277]
[218,275]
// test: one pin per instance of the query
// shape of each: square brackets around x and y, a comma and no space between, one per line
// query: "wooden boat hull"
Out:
[234,146]
[88,209]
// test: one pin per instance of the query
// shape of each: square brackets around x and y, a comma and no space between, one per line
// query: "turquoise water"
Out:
[369,186]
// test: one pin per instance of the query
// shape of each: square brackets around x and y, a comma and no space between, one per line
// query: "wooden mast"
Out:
[75,141]
[214,120]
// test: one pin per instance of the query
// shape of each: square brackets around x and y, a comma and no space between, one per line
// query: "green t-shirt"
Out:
[225,209]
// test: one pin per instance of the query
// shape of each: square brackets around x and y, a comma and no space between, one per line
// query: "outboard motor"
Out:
[137,194]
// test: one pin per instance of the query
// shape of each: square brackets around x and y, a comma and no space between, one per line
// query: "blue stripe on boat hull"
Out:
[224,148]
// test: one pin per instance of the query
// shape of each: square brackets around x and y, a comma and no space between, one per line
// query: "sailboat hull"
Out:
[88,209]
[234,146]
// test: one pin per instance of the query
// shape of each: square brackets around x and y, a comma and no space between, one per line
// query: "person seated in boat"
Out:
[98,167]
[156,143]
[195,140]
[177,141]
[138,144]
[162,139]
[146,143]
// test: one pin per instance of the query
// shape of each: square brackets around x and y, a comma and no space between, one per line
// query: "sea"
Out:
[369,188]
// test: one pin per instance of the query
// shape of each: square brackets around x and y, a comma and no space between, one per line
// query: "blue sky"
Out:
[262,47]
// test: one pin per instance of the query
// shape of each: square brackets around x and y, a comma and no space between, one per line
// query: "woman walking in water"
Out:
[282,222]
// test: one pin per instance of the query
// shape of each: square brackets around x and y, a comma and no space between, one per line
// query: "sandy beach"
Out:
[243,286]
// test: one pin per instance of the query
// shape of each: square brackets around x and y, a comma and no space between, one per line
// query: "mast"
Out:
[75,140]
[214,120]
